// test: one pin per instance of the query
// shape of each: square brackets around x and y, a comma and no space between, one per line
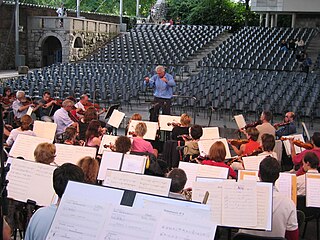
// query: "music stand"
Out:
[110,110]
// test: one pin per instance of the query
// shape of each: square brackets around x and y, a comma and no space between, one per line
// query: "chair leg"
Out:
[304,230]
[318,227]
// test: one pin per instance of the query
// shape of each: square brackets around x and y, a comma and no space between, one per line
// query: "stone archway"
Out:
[78,43]
[51,51]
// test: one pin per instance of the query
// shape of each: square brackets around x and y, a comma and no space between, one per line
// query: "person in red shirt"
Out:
[217,155]
[252,135]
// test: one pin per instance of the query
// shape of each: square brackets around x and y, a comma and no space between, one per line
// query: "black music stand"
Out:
[109,113]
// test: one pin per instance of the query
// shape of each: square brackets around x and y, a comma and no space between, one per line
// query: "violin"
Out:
[111,146]
[90,104]
[184,136]
[174,124]
[239,158]
[299,143]
[132,133]
[238,142]
[254,124]
[277,125]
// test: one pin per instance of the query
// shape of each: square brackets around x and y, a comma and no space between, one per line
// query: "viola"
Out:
[254,124]
[238,142]
[299,143]
[90,104]
[174,124]
[277,125]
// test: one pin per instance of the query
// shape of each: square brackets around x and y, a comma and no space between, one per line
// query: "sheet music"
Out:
[137,182]
[109,160]
[107,140]
[31,180]
[134,163]
[177,227]
[116,118]
[164,120]
[312,190]
[44,129]
[25,145]
[306,130]
[248,175]
[209,179]
[252,162]
[287,145]
[210,133]
[215,197]
[152,128]
[30,110]
[264,206]
[72,154]
[193,171]
[241,123]
[205,145]
[239,203]
[77,210]
[284,184]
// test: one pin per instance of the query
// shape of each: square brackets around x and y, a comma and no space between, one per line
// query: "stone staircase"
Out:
[192,61]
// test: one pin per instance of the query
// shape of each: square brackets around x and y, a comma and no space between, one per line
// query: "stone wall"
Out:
[308,20]
[7,34]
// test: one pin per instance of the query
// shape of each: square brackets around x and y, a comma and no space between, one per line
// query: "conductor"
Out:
[162,83]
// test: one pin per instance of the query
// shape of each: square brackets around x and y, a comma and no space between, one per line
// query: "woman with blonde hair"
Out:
[139,144]
[182,128]
[45,153]
[90,168]
[24,128]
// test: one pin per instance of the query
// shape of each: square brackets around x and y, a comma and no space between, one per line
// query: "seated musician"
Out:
[178,181]
[46,108]
[284,213]
[24,128]
[7,98]
[122,144]
[135,116]
[182,128]
[94,134]
[265,127]
[40,222]
[191,149]
[90,114]
[80,109]
[310,164]
[268,143]
[297,158]
[287,127]
[90,168]
[45,153]
[217,156]
[252,135]
[69,137]
[20,106]
[61,117]
[139,144]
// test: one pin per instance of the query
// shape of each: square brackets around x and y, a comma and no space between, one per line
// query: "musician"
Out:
[252,135]
[297,159]
[183,129]
[94,134]
[268,143]
[7,98]
[217,156]
[80,109]
[61,117]
[265,127]
[139,144]
[288,125]
[284,213]
[178,181]
[40,222]
[90,168]
[24,129]
[122,144]
[20,106]
[310,164]
[46,107]
[135,116]
[163,84]
[45,153]
[191,149]
[90,114]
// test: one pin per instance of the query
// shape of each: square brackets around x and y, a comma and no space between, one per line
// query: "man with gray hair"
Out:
[163,84]
[61,117]
[20,106]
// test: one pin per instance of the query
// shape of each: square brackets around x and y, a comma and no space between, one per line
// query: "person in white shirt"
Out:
[310,164]
[284,213]
[265,127]
[26,122]
[61,117]
[80,109]
[178,181]
[268,143]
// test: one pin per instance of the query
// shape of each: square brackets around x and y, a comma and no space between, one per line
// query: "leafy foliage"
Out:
[212,12]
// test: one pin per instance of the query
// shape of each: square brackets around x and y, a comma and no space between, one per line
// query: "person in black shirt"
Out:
[182,128]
